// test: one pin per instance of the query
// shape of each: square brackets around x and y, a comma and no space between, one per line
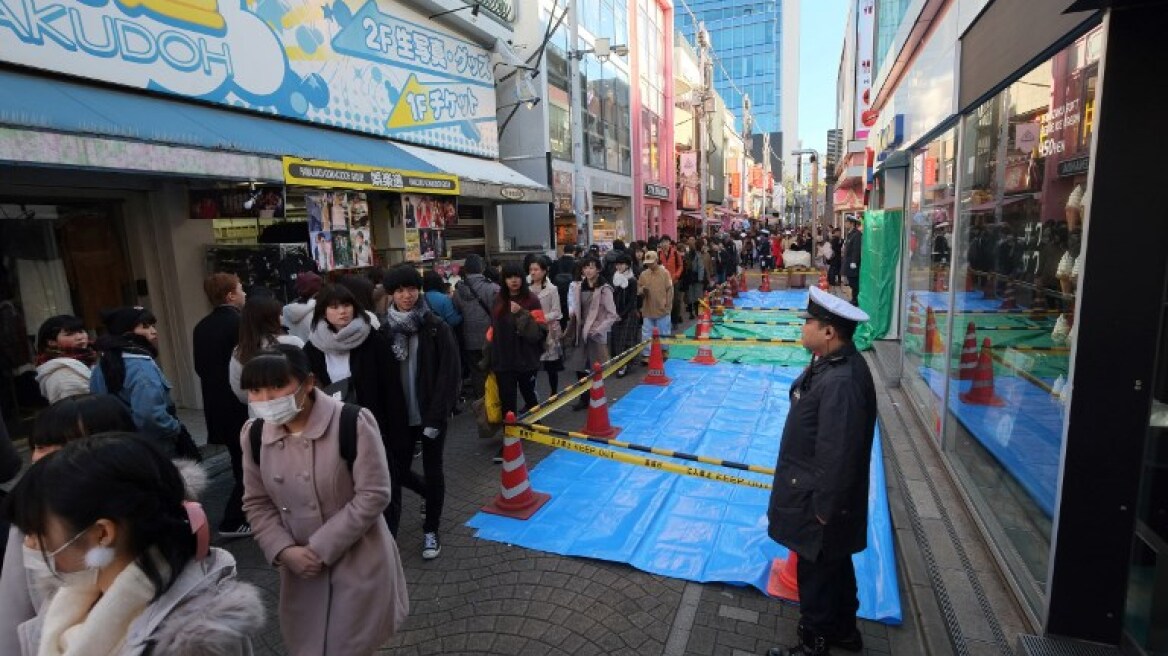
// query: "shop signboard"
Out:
[656,191]
[376,67]
[865,118]
[1074,166]
[338,175]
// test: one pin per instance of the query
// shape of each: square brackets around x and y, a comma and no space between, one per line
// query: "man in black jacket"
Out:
[851,257]
[214,340]
[833,263]
[819,499]
[426,358]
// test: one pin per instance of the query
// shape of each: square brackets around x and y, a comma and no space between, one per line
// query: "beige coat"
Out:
[303,494]
[657,289]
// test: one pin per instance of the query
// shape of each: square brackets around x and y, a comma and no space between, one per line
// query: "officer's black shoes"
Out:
[853,641]
[810,644]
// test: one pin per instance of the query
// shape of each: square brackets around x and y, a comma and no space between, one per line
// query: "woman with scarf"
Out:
[591,315]
[626,332]
[351,362]
[516,337]
[549,301]
[64,358]
[128,371]
[427,364]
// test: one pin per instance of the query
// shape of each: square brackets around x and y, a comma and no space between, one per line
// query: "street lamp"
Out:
[814,178]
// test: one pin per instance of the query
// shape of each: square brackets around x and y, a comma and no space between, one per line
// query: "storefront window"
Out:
[1021,208]
[929,260]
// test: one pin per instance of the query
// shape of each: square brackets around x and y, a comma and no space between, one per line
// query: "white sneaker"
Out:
[431,547]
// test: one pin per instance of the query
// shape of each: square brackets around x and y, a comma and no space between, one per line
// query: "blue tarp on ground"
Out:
[1024,434]
[687,527]
[783,299]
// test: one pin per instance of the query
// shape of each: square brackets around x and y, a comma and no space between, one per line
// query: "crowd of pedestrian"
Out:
[323,404]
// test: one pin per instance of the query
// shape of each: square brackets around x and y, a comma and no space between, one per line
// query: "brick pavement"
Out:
[482,597]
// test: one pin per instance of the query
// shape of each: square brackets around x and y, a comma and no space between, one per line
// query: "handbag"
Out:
[492,401]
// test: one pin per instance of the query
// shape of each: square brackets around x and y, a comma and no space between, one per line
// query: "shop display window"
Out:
[1007,325]
[929,262]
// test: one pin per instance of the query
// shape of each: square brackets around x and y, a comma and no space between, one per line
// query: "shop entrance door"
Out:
[95,260]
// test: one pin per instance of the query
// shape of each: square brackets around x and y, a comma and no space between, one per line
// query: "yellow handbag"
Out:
[493,402]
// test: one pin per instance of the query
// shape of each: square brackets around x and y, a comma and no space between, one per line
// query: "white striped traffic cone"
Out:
[516,498]
[598,424]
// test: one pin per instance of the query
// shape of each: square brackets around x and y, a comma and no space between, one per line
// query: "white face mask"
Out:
[277,411]
[95,559]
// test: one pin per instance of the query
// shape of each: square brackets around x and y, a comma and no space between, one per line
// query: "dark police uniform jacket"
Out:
[824,459]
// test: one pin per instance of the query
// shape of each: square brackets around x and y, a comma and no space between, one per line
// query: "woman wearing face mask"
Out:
[259,329]
[549,301]
[592,314]
[136,571]
[128,371]
[26,580]
[517,333]
[350,360]
[317,517]
[64,358]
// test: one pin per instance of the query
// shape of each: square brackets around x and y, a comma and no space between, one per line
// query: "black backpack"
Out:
[348,445]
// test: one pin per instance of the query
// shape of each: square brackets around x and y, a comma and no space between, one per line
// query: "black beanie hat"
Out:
[402,275]
[120,321]
[473,263]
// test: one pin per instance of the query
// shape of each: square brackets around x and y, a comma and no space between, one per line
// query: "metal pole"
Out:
[746,120]
[580,190]
[701,124]
[814,189]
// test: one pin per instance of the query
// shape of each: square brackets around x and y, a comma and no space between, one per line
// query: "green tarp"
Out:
[879,261]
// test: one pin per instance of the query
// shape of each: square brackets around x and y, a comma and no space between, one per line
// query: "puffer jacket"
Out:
[473,297]
[207,611]
[63,377]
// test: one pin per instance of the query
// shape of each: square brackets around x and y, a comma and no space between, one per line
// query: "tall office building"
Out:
[757,46]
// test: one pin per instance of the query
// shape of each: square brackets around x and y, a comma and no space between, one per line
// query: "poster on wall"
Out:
[265,203]
[426,219]
[865,25]
[379,68]
[338,229]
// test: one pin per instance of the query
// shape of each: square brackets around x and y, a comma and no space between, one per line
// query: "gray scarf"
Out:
[342,341]
[403,325]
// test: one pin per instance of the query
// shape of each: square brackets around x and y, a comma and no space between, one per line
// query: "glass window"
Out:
[560,132]
[999,359]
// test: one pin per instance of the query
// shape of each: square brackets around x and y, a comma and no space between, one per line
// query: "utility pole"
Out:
[582,204]
[747,119]
[702,119]
[766,170]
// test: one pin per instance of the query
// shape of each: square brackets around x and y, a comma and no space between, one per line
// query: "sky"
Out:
[821,41]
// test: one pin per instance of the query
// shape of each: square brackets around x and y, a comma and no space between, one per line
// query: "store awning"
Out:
[484,178]
[53,122]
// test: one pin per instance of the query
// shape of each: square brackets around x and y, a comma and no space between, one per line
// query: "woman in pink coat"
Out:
[318,517]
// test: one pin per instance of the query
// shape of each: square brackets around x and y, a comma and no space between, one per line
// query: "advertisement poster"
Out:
[865,25]
[338,230]
[379,68]
[426,218]
[690,180]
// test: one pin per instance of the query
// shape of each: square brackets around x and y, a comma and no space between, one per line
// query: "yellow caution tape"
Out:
[569,394]
[630,459]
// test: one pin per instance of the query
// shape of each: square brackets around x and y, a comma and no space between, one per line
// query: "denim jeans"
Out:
[663,324]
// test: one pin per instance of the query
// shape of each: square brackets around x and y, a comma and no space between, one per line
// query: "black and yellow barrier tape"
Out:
[582,386]
[628,458]
[658,451]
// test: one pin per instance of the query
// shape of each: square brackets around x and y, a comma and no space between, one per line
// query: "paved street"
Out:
[483,597]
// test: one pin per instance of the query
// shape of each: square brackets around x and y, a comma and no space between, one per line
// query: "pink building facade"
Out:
[654,162]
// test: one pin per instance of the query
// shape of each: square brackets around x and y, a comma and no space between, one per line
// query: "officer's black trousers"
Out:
[828,598]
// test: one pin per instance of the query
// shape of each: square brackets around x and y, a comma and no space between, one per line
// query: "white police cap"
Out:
[829,307]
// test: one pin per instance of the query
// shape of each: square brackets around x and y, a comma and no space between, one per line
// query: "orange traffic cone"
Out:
[704,327]
[1009,300]
[742,283]
[717,301]
[915,327]
[656,375]
[968,364]
[932,339]
[705,354]
[516,498]
[728,294]
[765,285]
[784,579]
[733,282]
[598,424]
[982,390]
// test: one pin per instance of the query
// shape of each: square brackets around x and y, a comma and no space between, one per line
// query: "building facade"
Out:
[1001,137]
[264,140]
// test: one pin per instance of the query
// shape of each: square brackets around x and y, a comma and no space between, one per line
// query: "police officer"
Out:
[852,246]
[819,500]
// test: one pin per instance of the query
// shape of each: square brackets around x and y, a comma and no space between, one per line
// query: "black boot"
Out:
[582,400]
[810,644]
[848,641]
